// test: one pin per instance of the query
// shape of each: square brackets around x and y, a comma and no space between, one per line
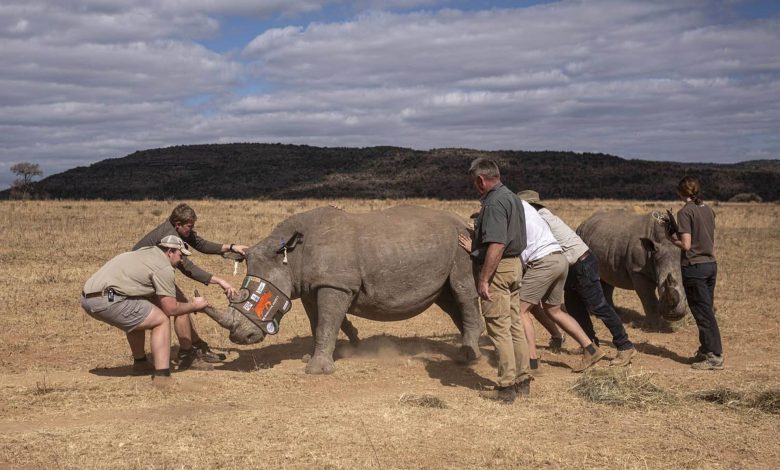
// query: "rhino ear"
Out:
[296,238]
[648,245]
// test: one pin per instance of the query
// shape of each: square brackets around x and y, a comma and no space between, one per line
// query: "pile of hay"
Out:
[622,387]
[424,401]
[767,401]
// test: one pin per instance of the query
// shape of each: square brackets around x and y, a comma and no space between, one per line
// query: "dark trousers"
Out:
[583,295]
[699,283]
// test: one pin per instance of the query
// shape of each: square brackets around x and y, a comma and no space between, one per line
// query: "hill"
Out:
[276,171]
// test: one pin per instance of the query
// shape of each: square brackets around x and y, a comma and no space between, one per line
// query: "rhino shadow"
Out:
[641,322]
[661,351]
[381,347]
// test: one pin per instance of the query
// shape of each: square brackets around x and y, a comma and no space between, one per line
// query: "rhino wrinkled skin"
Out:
[387,266]
[634,253]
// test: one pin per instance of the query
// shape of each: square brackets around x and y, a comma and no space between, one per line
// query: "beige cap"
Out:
[531,197]
[172,241]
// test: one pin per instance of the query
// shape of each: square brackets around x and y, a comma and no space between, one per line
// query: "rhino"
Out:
[634,253]
[388,265]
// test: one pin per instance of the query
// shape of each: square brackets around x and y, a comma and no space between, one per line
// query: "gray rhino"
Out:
[387,266]
[634,253]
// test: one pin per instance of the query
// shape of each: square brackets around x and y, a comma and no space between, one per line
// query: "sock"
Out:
[591,348]
[139,359]
[162,372]
[535,363]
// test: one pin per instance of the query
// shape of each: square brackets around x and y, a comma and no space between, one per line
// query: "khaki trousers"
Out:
[504,327]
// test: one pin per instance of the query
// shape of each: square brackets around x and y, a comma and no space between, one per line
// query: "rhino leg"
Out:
[459,301]
[310,306]
[331,311]
[646,290]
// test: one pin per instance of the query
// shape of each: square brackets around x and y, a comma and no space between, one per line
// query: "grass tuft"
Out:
[767,401]
[621,387]
[424,401]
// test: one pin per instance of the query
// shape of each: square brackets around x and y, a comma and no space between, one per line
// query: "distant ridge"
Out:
[277,171]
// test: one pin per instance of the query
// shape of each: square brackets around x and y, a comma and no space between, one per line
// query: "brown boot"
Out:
[523,387]
[588,359]
[506,395]
[623,357]
[189,359]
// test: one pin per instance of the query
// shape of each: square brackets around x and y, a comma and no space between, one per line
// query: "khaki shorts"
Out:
[125,313]
[544,279]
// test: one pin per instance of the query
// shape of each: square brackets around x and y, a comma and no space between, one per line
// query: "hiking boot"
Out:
[623,357]
[711,362]
[205,353]
[189,359]
[588,359]
[698,357]
[523,387]
[556,343]
[506,395]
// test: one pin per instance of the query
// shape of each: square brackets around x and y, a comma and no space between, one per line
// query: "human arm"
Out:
[173,308]
[234,248]
[682,241]
[228,288]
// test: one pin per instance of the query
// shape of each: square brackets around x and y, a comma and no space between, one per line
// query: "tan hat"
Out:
[172,241]
[531,197]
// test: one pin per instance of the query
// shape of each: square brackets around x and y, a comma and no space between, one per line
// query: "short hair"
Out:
[484,167]
[182,214]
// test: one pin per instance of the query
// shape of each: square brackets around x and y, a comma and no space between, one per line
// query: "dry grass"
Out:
[622,387]
[67,398]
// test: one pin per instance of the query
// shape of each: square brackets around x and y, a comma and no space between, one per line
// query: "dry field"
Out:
[67,399]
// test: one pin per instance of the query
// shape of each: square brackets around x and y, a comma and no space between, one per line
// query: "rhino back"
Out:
[396,260]
[614,237]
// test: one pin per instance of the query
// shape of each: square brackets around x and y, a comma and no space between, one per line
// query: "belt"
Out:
[584,256]
[91,294]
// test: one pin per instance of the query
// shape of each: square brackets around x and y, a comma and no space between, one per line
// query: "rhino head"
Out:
[665,260]
[268,263]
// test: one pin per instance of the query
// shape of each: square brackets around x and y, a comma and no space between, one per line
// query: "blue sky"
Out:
[684,80]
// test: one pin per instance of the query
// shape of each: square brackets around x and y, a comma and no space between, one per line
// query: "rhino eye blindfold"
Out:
[262,303]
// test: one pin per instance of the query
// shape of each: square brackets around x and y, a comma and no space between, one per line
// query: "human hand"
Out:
[465,242]
[200,303]
[483,289]
[239,249]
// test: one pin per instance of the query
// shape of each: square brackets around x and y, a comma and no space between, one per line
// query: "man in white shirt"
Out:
[544,277]
[582,292]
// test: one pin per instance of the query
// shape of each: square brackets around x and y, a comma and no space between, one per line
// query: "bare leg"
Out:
[182,325]
[568,323]
[160,326]
[541,316]
[528,326]
[137,340]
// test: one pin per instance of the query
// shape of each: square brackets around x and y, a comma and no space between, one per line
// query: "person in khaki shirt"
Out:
[135,291]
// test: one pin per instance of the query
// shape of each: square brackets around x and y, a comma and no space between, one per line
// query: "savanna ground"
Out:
[67,398]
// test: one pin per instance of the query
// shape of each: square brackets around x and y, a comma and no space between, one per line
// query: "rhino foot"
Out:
[467,354]
[320,364]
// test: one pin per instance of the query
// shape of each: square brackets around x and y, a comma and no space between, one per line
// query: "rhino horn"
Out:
[242,331]
[226,318]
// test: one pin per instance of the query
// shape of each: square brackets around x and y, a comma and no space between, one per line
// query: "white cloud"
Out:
[91,79]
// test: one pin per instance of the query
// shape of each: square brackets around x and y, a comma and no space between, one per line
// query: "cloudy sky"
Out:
[86,80]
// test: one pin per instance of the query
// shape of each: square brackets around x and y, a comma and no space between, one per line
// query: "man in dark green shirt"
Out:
[193,351]
[499,239]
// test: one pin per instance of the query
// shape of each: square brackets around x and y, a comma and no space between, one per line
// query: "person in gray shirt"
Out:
[499,238]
